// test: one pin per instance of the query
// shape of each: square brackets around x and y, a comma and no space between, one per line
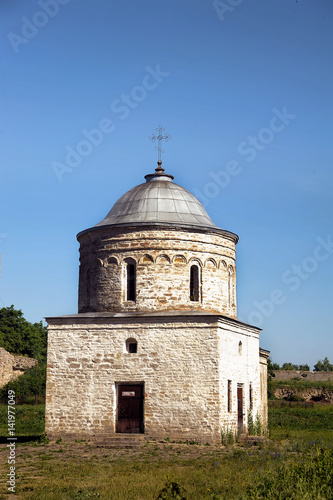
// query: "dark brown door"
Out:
[130,409]
[240,408]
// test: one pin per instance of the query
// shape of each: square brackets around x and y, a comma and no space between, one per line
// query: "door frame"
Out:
[240,407]
[142,420]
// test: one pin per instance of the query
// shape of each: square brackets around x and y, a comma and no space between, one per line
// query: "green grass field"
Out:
[301,383]
[296,463]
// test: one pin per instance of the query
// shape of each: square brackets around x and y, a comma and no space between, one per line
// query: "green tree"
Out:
[289,366]
[304,368]
[19,336]
[271,367]
[274,366]
[323,366]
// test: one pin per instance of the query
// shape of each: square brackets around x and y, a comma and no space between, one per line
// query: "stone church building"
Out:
[156,347]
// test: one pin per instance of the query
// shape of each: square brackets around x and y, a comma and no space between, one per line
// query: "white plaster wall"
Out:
[240,369]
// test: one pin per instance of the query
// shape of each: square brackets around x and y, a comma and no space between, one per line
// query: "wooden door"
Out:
[130,409]
[240,408]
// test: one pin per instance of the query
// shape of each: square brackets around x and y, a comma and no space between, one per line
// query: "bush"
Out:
[172,489]
[294,397]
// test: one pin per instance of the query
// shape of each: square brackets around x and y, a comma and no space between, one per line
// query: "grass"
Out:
[29,421]
[317,418]
[296,464]
[303,427]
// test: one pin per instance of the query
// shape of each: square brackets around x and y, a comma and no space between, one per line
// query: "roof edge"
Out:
[171,314]
[163,225]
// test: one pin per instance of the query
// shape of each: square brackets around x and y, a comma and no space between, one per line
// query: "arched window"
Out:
[131,346]
[194,283]
[130,280]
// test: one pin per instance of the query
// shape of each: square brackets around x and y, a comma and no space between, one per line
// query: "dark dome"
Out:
[158,201]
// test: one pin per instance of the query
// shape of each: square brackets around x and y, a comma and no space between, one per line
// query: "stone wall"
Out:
[11,367]
[184,362]
[303,375]
[163,258]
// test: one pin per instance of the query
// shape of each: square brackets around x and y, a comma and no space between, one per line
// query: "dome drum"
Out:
[163,260]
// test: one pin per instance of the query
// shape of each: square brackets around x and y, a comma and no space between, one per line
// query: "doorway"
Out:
[240,407]
[130,408]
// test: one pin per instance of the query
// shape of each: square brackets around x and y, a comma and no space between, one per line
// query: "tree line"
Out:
[321,366]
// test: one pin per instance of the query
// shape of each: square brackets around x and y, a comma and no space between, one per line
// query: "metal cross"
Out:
[160,137]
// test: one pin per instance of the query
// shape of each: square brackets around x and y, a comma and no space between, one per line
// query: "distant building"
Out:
[156,347]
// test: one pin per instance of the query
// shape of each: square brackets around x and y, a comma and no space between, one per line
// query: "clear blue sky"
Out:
[245,91]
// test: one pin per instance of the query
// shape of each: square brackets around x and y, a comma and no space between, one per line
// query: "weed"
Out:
[227,436]
[250,424]
[86,494]
[44,439]
[258,425]
[172,489]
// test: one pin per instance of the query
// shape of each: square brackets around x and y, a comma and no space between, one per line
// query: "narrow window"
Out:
[250,397]
[229,395]
[88,285]
[194,283]
[133,347]
[230,288]
[240,348]
[130,281]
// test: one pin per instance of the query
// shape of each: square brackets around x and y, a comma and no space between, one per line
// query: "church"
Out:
[156,347]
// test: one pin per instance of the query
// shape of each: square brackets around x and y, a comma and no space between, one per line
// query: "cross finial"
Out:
[160,137]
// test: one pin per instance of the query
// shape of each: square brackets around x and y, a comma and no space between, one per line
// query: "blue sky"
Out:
[245,90]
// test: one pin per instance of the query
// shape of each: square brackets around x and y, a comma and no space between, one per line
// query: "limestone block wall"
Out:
[184,362]
[11,367]
[177,359]
[163,259]
[239,364]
